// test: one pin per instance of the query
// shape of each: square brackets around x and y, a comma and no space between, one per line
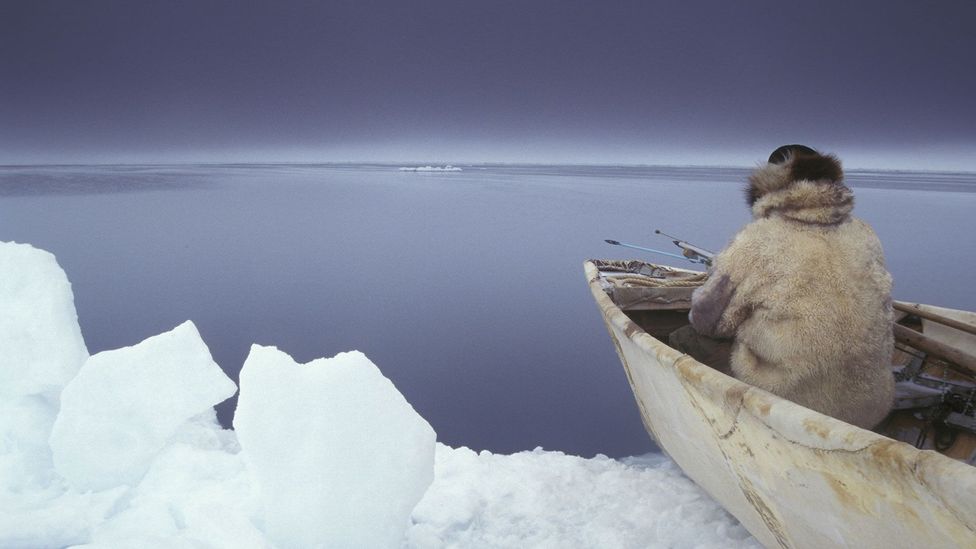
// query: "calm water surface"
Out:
[465,288]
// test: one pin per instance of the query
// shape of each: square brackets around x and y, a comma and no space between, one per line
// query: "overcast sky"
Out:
[883,84]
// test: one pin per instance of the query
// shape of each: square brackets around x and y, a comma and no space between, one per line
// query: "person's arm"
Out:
[718,306]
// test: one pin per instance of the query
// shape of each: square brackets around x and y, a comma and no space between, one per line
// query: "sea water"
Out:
[467,286]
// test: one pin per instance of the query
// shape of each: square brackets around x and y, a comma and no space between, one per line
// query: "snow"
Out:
[124,405]
[447,168]
[41,348]
[41,342]
[549,499]
[197,493]
[359,457]
[123,449]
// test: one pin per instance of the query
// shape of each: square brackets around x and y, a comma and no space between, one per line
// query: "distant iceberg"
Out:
[447,168]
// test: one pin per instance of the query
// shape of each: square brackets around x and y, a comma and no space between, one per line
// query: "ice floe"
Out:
[447,168]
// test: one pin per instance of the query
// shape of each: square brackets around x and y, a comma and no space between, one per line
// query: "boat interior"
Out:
[934,360]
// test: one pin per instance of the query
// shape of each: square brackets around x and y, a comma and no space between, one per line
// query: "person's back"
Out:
[804,291]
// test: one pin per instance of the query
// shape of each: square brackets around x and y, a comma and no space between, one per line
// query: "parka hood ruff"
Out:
[808,202]
[805,188]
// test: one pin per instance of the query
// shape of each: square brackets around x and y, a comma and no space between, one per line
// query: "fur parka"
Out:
[804,292]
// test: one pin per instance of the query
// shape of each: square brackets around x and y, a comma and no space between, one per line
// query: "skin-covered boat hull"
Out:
[792,476]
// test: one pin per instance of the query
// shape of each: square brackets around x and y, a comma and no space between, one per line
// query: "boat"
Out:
[793,477]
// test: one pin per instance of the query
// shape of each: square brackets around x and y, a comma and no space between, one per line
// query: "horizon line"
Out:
[415,163]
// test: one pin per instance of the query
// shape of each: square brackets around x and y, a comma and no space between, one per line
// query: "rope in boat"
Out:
[684,282]
[677,279]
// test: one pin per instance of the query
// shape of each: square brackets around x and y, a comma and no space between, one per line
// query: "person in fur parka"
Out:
[804,292]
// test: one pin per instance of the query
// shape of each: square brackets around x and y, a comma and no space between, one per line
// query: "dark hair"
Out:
[781,154]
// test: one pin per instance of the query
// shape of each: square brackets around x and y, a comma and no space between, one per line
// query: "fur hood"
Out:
[804,188]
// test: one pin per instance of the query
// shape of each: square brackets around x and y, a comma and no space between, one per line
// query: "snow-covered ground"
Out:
[549,499]
[122,449]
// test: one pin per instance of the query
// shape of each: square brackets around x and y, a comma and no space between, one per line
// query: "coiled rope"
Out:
[670,279]
[646,281]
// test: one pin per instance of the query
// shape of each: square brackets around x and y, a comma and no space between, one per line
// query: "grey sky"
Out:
[886,84]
